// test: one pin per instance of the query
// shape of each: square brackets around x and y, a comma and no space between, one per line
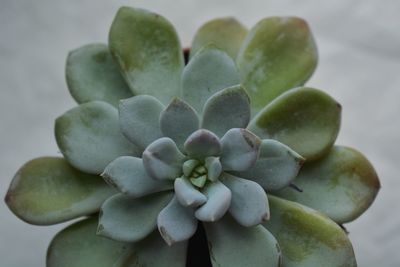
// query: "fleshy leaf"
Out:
[129,220]
[187,195]
[48,190]
[233,245]
[227,109]
[176,223]
[308,238]
[225,33]
[214,168]
[279,53]
[218,202]
[341,185]
[163,160]
[148,51]
[142,253]
[240,149]
[202,144]
[89,137]
[92,74]
[127,174]
[139,119]
[210,71]
[305,119]
[178,121]
[79,246]
[249,204]
[276,167]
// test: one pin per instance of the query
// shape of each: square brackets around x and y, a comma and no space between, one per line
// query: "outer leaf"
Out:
[47,191]
[127,174]
[249,205]
[305,119]
[89,137]
[153,252]
[236,246]
[210,71]
[279,53]
[79,246]
[307,237]
[240,149]
[276,167]
[139,119]
[148,51]
[342,185]
[227,109]
[178,121]
[92,75]
[176,223]
[163,160]
[225,33]
[130,220]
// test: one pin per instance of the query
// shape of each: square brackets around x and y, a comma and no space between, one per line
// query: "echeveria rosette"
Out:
[193,162]
[144,59]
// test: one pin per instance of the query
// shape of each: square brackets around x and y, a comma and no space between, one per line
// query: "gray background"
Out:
[359,46]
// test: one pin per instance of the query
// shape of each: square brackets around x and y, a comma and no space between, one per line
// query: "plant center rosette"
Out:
[198,170]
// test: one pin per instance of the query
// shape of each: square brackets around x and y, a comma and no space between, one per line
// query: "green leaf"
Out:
[305,119]
[139,119]
[279,53]
[233,245]
[341,185]
[148,51]
[162,159]
[210,71]
[130,219]
[176,223]
[154,252]
[89,137]
[127,174]
[201,144]
[47,191]
[226,109]
[249,205]
[178,121]
[240,149]
[277,166]
[308,238]
[225,33]
[92,75]
[79,246]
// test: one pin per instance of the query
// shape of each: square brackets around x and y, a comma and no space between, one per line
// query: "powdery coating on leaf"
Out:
[342,185]
[84,133]
[227,109]
[210,71]
[92,74]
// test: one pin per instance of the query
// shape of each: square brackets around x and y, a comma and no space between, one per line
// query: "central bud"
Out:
[199,172]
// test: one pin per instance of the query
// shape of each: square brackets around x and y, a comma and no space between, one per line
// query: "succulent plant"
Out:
[208,152]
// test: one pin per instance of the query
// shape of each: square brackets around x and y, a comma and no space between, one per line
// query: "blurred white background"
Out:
[359,46]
